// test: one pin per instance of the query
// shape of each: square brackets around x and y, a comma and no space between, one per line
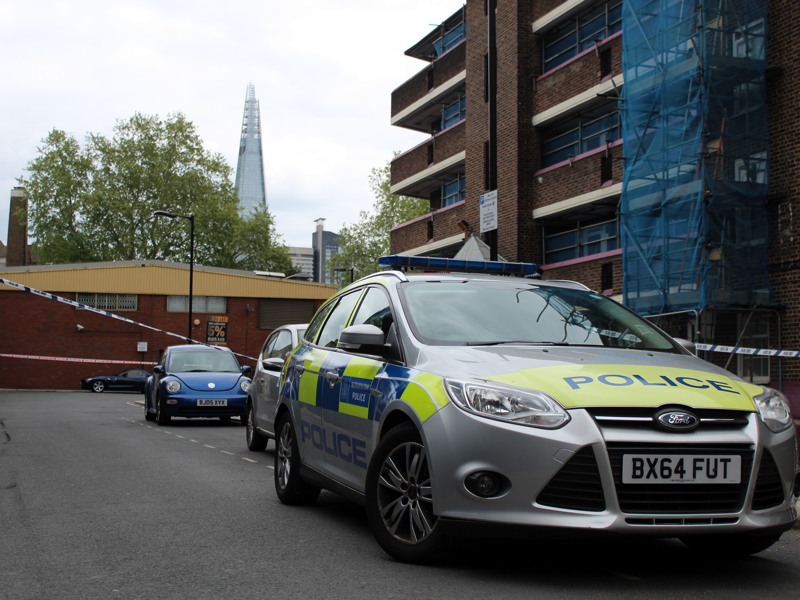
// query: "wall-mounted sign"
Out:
[141,346]
[217,330]
[488,207]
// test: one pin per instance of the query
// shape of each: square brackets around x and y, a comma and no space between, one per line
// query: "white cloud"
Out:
[323,73]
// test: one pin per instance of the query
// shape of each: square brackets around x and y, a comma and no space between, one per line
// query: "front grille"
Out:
[644,418]
[769,487]
[576,486]
[680,498]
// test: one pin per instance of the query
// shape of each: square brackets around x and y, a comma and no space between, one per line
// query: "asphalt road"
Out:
[95,502]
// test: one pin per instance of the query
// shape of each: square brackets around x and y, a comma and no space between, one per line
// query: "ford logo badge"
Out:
[211,385]
[677,420]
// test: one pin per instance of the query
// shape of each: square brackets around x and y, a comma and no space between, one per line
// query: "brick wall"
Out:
[783,89]
[36,326]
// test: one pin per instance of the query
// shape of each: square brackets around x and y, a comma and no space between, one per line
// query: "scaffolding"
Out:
[693,215]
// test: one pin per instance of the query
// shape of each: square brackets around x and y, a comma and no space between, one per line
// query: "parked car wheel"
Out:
[289,487]
[98,386]
[255,441]
[399,497]
[161,417]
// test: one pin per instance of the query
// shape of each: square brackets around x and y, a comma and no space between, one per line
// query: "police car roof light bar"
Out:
[400,261]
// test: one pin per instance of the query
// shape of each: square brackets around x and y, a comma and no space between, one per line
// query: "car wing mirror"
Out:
[362,338]
[246,369]
[158,370]
[272,364]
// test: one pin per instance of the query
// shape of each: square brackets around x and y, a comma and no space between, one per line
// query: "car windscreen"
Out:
[481,312]
[200,361]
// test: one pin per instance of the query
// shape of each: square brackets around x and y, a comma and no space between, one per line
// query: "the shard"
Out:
[250,166]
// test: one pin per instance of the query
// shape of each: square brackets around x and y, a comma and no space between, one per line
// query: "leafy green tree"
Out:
[95,203]
[256,246]
[363,242]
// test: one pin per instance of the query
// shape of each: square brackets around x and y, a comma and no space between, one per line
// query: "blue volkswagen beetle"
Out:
[196,381]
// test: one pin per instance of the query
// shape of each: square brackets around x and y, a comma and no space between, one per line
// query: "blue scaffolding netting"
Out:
[693,214]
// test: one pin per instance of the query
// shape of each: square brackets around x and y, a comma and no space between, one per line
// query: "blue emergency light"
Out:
[400,261]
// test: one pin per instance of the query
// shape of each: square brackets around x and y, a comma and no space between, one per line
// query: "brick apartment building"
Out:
[50,344]
[645,148]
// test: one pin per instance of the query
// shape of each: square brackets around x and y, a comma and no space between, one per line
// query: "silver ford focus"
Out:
[455,403]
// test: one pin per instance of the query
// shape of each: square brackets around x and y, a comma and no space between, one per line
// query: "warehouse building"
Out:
[50,343]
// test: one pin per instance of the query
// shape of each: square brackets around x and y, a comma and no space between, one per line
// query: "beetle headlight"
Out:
[245,385]
[173,386]
[774,409]
[525,407]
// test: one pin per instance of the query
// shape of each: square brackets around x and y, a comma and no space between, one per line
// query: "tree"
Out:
[256,246]
[96,203]
[362,243]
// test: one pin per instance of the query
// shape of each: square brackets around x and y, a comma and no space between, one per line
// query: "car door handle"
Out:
[332,377]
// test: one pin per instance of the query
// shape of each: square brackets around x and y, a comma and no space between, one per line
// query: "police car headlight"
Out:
[775,410]
[173,386]
[525,407]
[245,385]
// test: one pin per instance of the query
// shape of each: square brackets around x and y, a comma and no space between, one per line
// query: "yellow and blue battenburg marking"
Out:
[361,387]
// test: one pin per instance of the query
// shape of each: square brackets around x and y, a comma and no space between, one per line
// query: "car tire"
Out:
[255,441]
[731,545]
[399,498]
[98,386]
[162,418]
[289,486]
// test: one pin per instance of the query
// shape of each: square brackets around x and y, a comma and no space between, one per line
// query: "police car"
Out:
[447,402]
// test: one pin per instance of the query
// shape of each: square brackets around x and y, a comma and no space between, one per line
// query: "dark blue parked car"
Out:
[131,380]
[196,381]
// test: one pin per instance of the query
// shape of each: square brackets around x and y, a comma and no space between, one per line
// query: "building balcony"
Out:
[417,104]
[421,171]
[440,232]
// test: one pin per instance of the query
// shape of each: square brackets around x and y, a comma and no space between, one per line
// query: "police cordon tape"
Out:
[80,360]
[105,313]
[748,351]
[703,347]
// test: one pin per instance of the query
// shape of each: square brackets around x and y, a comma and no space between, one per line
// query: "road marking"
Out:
[183,437]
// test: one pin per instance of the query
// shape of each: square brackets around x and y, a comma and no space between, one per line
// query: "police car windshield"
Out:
[481,312]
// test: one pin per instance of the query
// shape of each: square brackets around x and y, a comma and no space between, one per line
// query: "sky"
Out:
[323,73]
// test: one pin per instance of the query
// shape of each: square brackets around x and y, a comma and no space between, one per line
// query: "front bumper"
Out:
[185,404]
[570,478]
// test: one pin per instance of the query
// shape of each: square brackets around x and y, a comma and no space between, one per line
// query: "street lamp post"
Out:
[172,215]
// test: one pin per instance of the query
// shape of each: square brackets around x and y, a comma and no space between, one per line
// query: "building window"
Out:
[109,301]
[454,112]
[454,191]
[582,32]
[200,304]
[580,134]
[580,240]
